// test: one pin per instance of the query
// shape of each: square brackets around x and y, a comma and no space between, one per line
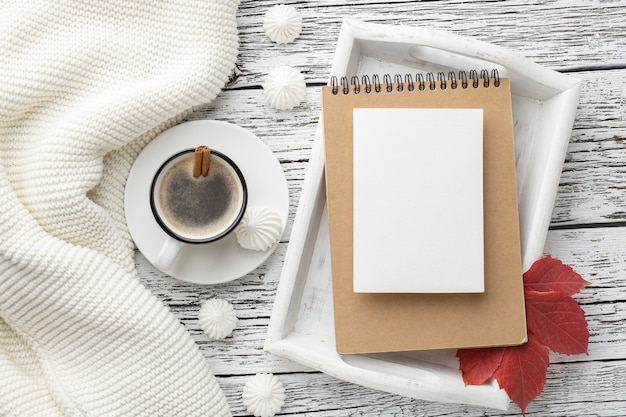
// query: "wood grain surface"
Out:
[584,38]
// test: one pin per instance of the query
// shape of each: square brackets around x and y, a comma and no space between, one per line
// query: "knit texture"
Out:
[84,85]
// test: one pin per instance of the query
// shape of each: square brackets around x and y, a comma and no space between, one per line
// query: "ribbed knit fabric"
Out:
[84,85]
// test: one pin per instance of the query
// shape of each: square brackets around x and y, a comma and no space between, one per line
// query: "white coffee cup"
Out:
[195,210]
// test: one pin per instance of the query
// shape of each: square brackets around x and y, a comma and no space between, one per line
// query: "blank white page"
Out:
[418,200]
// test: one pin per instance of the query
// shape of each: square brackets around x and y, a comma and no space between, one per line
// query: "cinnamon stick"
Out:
[206,160]
[197,161]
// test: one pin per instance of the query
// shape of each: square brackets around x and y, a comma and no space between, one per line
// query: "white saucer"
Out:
[223,260]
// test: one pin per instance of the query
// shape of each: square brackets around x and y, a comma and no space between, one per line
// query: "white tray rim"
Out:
[280,339]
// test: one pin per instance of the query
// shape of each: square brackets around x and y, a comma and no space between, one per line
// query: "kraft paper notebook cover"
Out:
[384,322]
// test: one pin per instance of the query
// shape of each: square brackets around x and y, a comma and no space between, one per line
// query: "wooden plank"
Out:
[594,253]
[556,33]
[593,180]
[593,388]
[594,174]
[291,137]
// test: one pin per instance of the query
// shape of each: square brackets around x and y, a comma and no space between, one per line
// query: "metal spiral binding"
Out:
[420,82]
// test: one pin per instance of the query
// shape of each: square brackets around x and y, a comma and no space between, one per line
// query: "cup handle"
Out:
[168,253]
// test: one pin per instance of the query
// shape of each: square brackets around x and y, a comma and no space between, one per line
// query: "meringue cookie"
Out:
[282,23]
[217,318]
[263,395]
[259,229]
[284,88]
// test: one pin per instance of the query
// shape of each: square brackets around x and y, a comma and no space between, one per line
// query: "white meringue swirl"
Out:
[284,88]
[217,318]
[259,229]
[263,395]
[282,23]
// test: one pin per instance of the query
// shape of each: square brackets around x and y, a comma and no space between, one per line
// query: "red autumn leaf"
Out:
[558,321]
[522,373]
[478,365]
[549,274]
[554,320]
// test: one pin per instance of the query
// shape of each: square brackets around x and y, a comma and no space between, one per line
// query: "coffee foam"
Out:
[199,207]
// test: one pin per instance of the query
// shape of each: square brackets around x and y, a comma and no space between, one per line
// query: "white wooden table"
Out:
[583,37]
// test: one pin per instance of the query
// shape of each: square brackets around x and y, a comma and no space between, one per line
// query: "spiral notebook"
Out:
[385,322]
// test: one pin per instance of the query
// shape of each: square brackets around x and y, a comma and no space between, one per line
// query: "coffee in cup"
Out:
[196,209]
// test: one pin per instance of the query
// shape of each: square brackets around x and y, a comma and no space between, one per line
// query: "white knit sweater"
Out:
[84,85]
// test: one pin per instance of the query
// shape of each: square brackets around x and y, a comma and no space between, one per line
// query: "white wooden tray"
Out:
[544,105]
